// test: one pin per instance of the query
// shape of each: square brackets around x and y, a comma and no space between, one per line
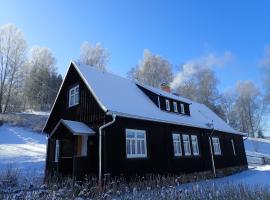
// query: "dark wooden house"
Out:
[101,123]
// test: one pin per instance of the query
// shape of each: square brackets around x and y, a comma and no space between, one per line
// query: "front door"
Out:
[82,145]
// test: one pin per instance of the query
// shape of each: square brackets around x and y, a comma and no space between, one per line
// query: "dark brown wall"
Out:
[87,111]
[160,150]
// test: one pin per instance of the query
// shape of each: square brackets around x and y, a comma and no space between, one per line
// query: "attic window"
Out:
[182,108]
[73,96]
[175,108]
[168,105]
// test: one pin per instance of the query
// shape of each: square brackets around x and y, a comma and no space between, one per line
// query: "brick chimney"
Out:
[165,87]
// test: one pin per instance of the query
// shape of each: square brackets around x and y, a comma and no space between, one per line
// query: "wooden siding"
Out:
[87,111]
[160,154]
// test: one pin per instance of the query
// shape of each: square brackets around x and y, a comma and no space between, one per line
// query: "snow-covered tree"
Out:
[12,56]
[43,81]
[94,56]
[199,83]
[152,70]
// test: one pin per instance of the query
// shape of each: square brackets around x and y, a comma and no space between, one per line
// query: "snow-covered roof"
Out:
[75,127]
[121,96]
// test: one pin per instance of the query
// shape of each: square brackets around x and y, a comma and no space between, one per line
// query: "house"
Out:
[101,123]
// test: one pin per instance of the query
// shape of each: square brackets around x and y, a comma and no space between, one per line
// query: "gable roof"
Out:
[121,96]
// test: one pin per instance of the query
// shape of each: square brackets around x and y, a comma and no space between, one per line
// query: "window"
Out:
[74,96]
[186,145]
[216,146]
[175,108]
[195,146]
[57,151]
[177,144]
[233,147]
[168,105]
[182,108]
[136,143]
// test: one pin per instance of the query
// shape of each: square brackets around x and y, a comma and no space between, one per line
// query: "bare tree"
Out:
[12,56]
[152,70]
[94,56]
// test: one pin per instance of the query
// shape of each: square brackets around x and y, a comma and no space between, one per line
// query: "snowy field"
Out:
[22,149]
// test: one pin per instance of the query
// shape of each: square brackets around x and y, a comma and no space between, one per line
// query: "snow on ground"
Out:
[259,175]
[22,149]
[257,145]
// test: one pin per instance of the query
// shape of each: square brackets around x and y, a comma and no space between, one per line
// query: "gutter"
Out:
[100,149]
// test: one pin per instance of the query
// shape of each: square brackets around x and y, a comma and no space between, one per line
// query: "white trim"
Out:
[177,146]
[233,147]
[194,143]
[136,153]
[167,103]
[186,142]
[175,107]
[216,146]
[158,102]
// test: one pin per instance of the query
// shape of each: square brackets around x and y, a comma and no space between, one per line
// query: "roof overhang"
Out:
[75,127]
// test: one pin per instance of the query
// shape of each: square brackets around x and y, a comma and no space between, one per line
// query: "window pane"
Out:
[133,146]
[140,135]
[143,146]
[130,134]
[138,147]
[128,146]
[76,98]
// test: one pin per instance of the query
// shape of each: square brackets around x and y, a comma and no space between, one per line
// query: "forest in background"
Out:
[29,80]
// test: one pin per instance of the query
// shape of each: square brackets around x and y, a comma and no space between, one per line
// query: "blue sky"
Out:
[180,31]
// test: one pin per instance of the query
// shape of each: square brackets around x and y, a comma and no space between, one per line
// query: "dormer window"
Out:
[168,105]
[175,108]
[182,108]
[73,96]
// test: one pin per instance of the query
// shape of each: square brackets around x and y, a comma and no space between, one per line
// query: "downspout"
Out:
[100,149]
[211,151]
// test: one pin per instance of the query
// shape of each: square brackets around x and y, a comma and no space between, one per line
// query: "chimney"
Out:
[165,87]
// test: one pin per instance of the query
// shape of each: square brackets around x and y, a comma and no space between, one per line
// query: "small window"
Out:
[168,105]
[216,146]
[175,108]
[135,143]
[233,147]
[186,143]
[195,146]
[177,144]
[182,108]
[74,96]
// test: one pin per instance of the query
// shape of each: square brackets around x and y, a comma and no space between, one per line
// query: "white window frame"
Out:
[233,147]
[74,96]
[182,108]
[216,145]
[177,146]
[134,151]
[57,151]
[186,143]
[195,145]
[168,106]
[175,107]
